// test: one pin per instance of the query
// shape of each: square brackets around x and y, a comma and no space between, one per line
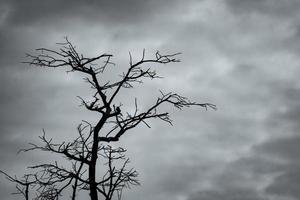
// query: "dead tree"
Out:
[84,152]
[51,179]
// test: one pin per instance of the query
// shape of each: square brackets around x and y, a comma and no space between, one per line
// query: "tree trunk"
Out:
[94,157]
[92,180]
[92,167]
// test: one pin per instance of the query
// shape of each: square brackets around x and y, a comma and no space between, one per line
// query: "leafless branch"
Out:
[83,152]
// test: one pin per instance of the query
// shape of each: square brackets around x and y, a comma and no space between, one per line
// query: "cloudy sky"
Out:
[242,55]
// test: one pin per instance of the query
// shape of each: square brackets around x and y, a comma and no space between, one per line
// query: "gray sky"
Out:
[242,55]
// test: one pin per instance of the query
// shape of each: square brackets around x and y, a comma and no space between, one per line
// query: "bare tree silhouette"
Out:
[49,180]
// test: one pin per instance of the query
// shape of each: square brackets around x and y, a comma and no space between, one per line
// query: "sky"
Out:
[242,55]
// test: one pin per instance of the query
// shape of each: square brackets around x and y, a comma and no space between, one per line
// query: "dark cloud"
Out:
[274,8]
[235,194]
[274,164]
[286,148]
[271,164]
[285,151]
[283,154]
[286,184]
[103,12]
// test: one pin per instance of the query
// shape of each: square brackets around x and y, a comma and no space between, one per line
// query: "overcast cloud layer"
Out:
[242,55]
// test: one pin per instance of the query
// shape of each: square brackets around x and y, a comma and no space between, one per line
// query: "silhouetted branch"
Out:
[131,121]
[77,150]
[52,179]
[22,185]
[116,179]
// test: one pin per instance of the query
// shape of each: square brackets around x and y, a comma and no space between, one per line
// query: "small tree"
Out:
[49,180]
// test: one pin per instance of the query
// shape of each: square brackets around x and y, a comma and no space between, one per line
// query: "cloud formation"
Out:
[240,55]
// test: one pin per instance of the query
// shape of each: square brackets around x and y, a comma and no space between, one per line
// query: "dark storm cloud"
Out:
[286,184]
[25,21]
[103,12]
[274,164]
[234,194]
[238,180]
[283,13]
[285,151]
[286,148]
[274,8]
